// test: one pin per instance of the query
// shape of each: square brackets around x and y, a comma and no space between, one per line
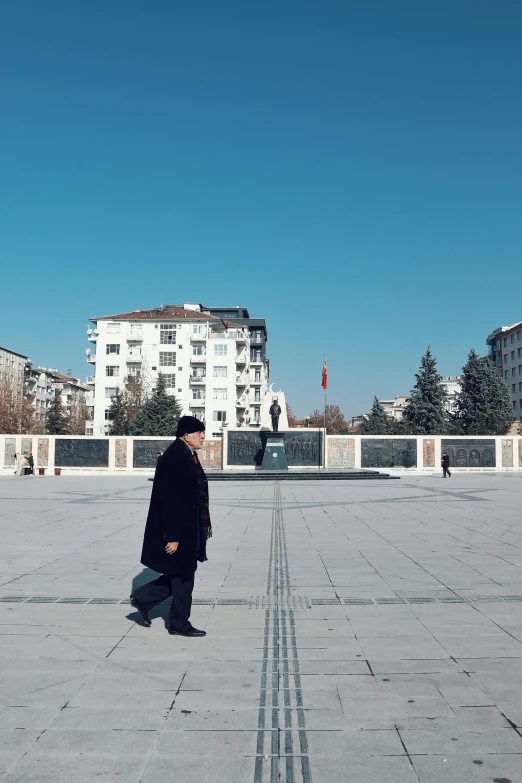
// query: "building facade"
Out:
[505,351]
[212,359]
[42,384]
[13,368]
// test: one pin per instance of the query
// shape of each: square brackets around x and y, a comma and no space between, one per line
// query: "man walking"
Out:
[445,465]
[178,525]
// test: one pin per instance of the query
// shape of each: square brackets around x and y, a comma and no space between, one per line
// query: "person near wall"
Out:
[30,460]
[445,465]
[177,529]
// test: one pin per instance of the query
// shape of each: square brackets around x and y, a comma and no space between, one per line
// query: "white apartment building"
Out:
[42,384]
[216,367]
[505,344]
[452,384]
[13,367]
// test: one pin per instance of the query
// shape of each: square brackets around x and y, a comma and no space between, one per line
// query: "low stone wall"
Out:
[240,450]
[87,455]
[418,452]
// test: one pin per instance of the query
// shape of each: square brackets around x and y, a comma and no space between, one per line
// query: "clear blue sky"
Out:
[351,171]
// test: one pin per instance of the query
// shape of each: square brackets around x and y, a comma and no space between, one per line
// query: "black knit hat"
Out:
[189,424]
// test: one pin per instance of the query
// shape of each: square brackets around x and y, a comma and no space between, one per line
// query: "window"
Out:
[89,431]
[220,394]
[513,387]
[257,395]
[113,328]
[514,405]
[220,350]
[112,348]
[520,369]
[134,371]
[170,380]
[498,345]
[519,353]
[219,416]
[505,374]
[520,386]
[512,338]
[505,358]
[198,350]
[198,394]
[167,334]
[220,372]
[519,335]
[199,330]
[512,355]
[167,359]
[112,371]
[258,376]
[513,371]
[257,415]
[110,391]
[504,341]
[108,415]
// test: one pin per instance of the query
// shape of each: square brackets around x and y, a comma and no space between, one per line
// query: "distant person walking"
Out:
[177,529]
[30,460]
[445,465]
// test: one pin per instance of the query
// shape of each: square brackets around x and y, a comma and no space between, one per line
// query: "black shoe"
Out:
[141,610]
[190,631]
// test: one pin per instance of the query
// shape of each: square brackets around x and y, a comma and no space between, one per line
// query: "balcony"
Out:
[241,379]
[92,335]
[135,335]
[198,358]
[197,338]
[256,359]
[242,402]
[198,380]
[255,340]
[91,358]
[133,358]
[241,358]
[197,403]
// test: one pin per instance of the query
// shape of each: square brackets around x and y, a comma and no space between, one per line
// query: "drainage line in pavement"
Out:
[280,657]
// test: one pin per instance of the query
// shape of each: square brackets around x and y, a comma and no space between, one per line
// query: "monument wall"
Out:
[242,449]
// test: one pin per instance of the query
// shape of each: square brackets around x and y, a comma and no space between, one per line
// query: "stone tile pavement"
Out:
[367,631]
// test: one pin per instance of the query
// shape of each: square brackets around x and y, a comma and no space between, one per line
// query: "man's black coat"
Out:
[174,513]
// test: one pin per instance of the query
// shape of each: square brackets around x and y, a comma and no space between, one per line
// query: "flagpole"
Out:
[325,385]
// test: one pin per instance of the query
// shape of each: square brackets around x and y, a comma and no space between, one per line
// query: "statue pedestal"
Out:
[274,457]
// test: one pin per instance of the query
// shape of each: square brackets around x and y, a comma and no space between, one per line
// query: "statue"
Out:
[275,412]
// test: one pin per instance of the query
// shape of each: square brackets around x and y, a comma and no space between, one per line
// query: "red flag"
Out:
[324,376]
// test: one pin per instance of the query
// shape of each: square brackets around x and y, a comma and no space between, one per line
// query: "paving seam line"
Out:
[280,675]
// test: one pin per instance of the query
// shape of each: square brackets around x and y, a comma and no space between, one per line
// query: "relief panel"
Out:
[43,453]
[341,452]
[120,450]
[388,453]
[77,453]
[470,452]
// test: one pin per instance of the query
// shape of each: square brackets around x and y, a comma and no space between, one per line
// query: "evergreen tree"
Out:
[425,413]
[56,419]
[160,413]
[484,404]
[119,415]
[377,423]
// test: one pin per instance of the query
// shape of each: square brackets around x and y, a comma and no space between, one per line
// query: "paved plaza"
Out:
[357,631]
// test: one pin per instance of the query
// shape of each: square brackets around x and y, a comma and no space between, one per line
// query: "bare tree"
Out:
[17,414]
[135,393]
[336,424]
[79,413]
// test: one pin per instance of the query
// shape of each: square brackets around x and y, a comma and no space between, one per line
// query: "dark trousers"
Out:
[444,471]
[179,587]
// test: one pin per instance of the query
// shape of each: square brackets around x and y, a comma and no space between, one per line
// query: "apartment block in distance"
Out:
[505,350]
[213,360]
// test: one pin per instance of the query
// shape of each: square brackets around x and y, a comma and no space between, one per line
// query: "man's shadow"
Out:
[161,610]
